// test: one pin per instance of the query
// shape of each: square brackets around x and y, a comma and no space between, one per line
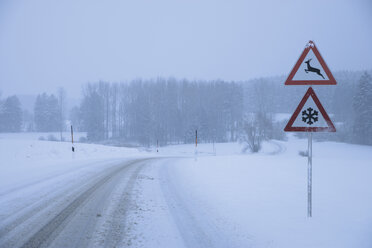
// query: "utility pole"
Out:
[157,145]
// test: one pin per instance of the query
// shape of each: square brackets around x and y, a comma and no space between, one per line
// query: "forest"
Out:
[169,110]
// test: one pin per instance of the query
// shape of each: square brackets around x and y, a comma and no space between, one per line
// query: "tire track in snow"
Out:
[280,148]
[116,232]
[46,234]
[195,228]
[20,214]
[52,176]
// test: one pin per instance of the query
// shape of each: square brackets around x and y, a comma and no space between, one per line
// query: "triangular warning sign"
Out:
[310,69]
[313,117]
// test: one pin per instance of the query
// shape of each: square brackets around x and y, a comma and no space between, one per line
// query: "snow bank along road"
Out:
[84,211]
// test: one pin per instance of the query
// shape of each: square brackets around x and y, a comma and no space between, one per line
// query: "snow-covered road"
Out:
[73,212]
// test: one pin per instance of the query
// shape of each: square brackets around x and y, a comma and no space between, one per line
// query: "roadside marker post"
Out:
[196,145]
[196,138]
[310,69]
[72,139]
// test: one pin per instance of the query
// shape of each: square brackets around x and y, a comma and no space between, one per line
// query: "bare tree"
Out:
[61,93]
[252,133]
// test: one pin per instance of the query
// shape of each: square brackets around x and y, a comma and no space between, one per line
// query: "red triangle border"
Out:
[289,127]
[331,80]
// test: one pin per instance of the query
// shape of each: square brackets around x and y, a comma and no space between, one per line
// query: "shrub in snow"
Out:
[51,137]
[252,132]
[303,153]
[41,138]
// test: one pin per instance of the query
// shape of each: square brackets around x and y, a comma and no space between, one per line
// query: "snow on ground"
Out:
[220,149]
[216,198]
[41,180]
[282,117]
[29,160]
[258,200]
[44,135]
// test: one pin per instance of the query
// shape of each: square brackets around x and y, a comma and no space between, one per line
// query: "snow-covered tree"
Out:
[76,118]
[362,104]
[11,115]
[61,93]
[93,113]
[46,113]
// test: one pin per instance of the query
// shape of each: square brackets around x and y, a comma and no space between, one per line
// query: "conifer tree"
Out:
[362,104]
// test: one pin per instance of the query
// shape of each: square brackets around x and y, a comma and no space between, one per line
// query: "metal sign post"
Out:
[310,69]
[309,172]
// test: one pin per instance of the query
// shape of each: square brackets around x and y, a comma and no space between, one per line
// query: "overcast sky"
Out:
[45,44]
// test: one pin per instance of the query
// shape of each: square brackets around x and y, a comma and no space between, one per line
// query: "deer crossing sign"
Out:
[310,116]
[310,69]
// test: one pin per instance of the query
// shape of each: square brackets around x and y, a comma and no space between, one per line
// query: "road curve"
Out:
[90,213]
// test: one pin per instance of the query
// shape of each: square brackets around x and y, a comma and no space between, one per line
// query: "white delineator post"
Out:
[196,138]
[196,144]
[72,139]
[309,173]
[214,149]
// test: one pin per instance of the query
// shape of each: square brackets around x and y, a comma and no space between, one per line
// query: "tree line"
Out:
[170,110]
[48,114]
[349,103]
[163,110]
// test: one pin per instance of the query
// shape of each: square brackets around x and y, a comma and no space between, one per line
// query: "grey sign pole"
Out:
[309,173]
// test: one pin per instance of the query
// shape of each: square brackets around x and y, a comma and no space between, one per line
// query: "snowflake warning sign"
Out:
[310,116]
[310,69]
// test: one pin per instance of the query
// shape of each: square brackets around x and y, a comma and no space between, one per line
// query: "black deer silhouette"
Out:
[312,69]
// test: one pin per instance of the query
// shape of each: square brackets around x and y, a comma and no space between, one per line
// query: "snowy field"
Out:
[218,198]
[27,160]
[44,135]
